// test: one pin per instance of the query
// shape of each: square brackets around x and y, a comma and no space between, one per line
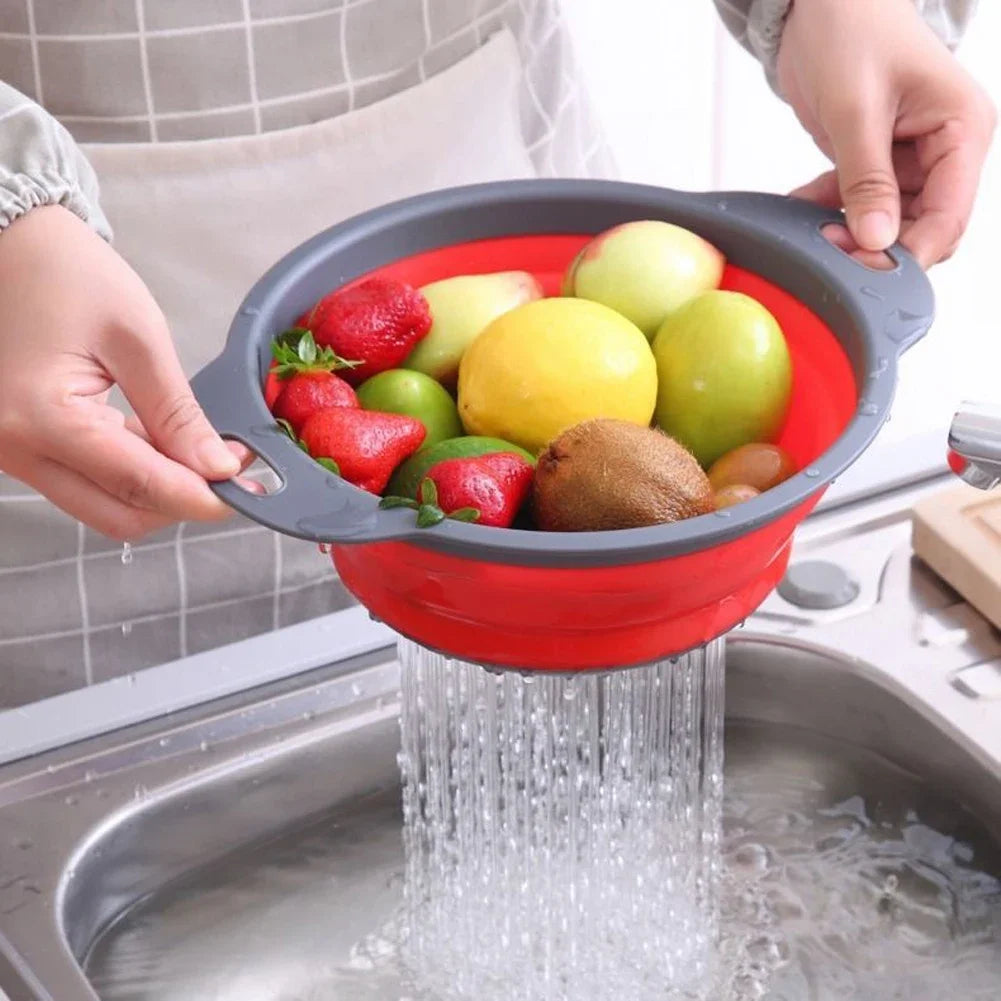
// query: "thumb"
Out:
[863,155]
[147,369]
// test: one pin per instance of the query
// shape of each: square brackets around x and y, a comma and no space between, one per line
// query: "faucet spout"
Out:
[975,444]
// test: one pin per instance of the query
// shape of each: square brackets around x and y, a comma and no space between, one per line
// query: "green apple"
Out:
[724,374]
[645,270]
[461,307]
[401,391]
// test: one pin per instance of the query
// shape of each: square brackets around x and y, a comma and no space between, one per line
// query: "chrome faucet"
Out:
[975,444]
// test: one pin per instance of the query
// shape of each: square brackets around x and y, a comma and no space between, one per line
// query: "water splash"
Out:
[562,833]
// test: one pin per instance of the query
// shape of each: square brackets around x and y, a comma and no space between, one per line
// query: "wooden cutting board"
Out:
[958,534]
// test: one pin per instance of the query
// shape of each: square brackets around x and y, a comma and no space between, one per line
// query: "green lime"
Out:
[408,477]
[414,394]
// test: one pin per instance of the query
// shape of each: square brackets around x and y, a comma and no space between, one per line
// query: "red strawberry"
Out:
[366,445]
[273,387]
[488,489]
[302,381]
[309,392]
[377,322]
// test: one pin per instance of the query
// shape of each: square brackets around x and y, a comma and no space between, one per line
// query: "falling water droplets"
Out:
[562,833]
[126,628]
[127,554]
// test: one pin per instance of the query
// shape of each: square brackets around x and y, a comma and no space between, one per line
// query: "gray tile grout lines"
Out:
[182,592]
[252,66]
[144,62]
[344,55]
[81,583]
[279,569]
[36,62]
[160,616]
[193,29]
[138,548]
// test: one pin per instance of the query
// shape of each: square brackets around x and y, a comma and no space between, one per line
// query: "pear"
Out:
[461,307]
[644,270]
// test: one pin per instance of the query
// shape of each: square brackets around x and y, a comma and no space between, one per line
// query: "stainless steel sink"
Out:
[240,849]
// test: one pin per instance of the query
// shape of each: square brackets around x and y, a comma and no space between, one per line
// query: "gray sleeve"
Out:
[40,164]
[757,24]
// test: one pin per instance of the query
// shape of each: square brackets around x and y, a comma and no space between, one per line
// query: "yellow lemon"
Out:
[548,365]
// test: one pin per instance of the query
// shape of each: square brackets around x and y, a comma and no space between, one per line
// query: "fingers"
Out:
[149,373]
[953,157]
[843,240]
[823,190]
[862,141]
[92,440]
[86,502]
[243,454]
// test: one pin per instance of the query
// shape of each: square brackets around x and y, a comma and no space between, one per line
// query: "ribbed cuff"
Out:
[20,193]
[41,164]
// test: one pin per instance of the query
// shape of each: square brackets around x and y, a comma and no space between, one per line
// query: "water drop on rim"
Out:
[126,628]
[126,553]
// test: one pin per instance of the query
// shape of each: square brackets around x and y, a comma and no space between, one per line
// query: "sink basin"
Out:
[249,848]
[255,865]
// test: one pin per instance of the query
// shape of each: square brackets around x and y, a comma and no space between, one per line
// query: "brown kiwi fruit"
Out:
[608,474]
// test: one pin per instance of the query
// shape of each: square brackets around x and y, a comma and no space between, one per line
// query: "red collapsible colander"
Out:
[576,601]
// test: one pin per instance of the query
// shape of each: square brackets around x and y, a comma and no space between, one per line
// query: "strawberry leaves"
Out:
[296,351]
[429,513]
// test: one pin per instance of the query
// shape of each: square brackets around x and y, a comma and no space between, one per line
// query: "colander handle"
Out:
[897,304]
[311,502]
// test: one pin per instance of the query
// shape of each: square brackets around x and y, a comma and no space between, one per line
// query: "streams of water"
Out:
[562,833]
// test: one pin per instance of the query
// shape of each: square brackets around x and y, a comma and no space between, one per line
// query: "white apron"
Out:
[201,221]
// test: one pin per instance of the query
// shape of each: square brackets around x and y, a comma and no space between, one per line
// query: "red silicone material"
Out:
[539,618]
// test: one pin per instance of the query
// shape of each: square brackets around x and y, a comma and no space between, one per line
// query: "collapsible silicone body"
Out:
[568,601]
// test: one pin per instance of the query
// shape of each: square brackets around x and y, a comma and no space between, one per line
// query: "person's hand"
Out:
[907,128]
[74,320]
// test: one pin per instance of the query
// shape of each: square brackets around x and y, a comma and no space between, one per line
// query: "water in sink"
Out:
[848,879]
